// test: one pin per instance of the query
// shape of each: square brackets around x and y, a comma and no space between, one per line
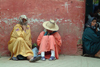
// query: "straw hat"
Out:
[51,25]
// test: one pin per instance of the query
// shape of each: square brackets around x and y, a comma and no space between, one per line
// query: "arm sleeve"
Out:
[28,37]
[18,32]
[98,33]
[58,39]
[40,38]
[92,36]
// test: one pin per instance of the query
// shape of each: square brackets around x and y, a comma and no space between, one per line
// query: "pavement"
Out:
[63,61]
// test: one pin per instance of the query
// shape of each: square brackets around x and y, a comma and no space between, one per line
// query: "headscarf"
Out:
[21,19]
[88,24]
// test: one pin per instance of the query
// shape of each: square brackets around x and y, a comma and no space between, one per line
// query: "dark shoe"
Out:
[52,58]
[38,57]
[14,58]
[43,58]
[35,59]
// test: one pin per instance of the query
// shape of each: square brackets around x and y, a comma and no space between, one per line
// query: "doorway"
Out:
[92,8]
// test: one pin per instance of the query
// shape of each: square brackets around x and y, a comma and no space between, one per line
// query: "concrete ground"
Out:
[63,61]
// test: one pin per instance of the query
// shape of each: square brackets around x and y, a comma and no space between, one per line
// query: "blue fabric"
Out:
[91,41]
[14,58]
[35,51]
[52,58]
[43,58]
[46,33]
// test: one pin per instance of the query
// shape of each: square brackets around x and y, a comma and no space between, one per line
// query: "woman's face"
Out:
[49,31]
[24,20]
[93,23]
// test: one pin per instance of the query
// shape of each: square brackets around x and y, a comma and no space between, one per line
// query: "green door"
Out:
[89,6]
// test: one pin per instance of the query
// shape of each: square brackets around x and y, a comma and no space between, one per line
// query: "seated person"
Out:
[98,16]
[49,41]
[91,38]
[35,50]
[20,43]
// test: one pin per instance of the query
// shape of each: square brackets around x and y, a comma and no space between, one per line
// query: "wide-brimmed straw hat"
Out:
[51,25]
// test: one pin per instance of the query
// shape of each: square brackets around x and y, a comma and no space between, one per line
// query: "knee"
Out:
[19,39]
[45,37]
[51,36]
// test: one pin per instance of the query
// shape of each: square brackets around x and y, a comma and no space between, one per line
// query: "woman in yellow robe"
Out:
[20,40]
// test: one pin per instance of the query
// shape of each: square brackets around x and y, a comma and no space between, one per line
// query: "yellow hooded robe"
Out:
[20,42]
